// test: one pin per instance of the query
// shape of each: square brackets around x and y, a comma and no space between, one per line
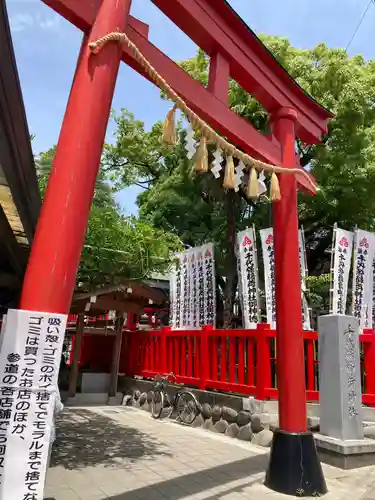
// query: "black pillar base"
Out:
[294,467]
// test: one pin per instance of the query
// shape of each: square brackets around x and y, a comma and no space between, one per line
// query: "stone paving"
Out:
[123,454]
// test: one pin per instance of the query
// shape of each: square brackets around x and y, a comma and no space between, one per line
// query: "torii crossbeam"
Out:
[235,52]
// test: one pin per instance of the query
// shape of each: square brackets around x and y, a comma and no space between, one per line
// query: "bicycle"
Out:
[184,401]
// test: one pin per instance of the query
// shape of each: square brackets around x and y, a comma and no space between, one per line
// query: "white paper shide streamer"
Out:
[362,299]
[248,277]
[342,246]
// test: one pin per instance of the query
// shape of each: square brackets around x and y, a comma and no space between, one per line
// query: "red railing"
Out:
[238,361]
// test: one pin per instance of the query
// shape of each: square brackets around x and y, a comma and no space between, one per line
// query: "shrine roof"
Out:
[129,296]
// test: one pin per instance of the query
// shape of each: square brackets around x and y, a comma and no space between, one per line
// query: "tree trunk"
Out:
[231,262]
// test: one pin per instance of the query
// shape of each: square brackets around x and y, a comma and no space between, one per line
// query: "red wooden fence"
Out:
[238,361]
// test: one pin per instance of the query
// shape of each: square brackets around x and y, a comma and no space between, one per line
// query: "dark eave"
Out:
[16,157]
[19,192]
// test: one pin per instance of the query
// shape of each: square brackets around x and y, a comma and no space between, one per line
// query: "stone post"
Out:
[340,377]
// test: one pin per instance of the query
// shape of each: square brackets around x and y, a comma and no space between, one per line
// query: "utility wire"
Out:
[360,23]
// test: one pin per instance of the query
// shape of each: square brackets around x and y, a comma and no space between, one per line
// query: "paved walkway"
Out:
[123,454]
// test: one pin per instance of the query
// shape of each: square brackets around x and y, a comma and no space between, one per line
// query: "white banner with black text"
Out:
[266,238]
[248,277]
[193,288]
[267,241]
[306,317]
[29,366]
[342,247]
[362,294]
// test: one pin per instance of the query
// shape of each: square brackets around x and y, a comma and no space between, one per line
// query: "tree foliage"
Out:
[197,209]
[116,247]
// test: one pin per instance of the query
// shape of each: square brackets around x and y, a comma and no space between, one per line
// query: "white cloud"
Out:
[20,22]
[49,23]
[23,21]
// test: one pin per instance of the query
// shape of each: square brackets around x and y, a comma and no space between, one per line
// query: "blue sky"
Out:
[46,49]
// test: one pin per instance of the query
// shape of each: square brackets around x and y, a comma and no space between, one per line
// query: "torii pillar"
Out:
[51,272]
[56,250]
[294,467]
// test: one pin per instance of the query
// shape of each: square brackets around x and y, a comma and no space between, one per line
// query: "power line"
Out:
[360,23]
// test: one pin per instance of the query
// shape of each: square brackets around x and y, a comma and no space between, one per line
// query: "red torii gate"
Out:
[235,52]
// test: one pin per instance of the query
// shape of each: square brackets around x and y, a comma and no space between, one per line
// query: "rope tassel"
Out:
[275,188]
[201,162]
[230,176]
[169,128]
[252,187]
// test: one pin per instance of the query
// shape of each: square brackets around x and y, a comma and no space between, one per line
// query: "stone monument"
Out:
[341,441]
[340,377]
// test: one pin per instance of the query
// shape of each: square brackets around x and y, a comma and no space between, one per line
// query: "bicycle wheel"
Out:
[157,404]
[168,406]
[187,407]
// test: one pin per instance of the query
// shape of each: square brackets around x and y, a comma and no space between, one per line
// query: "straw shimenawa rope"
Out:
[197,123]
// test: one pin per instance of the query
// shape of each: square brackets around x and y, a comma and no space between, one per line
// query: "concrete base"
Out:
[94,399]
[348,454]
[115,400]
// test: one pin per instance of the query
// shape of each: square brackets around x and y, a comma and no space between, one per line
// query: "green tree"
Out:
[197,210]
[116,247]
[104,194]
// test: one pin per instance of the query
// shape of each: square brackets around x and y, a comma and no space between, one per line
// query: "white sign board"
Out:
[29,365]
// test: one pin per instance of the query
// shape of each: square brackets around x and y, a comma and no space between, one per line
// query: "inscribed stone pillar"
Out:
[339,377]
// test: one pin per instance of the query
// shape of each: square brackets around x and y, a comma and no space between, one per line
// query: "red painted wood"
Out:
[214,357]
[310,386]
[228,387]
[218,78]
[223,358]
[241,361]
[61,228]
[176,355]
[250,362]
[290,347]
[232,359]
[170,354]
[263,361]
[207,24]
[197,352]
[163,349]
[152,353]
[146,352]
[189,372]
[368,338]
[204,357]
[209,107]
[134,360]
[183,352]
